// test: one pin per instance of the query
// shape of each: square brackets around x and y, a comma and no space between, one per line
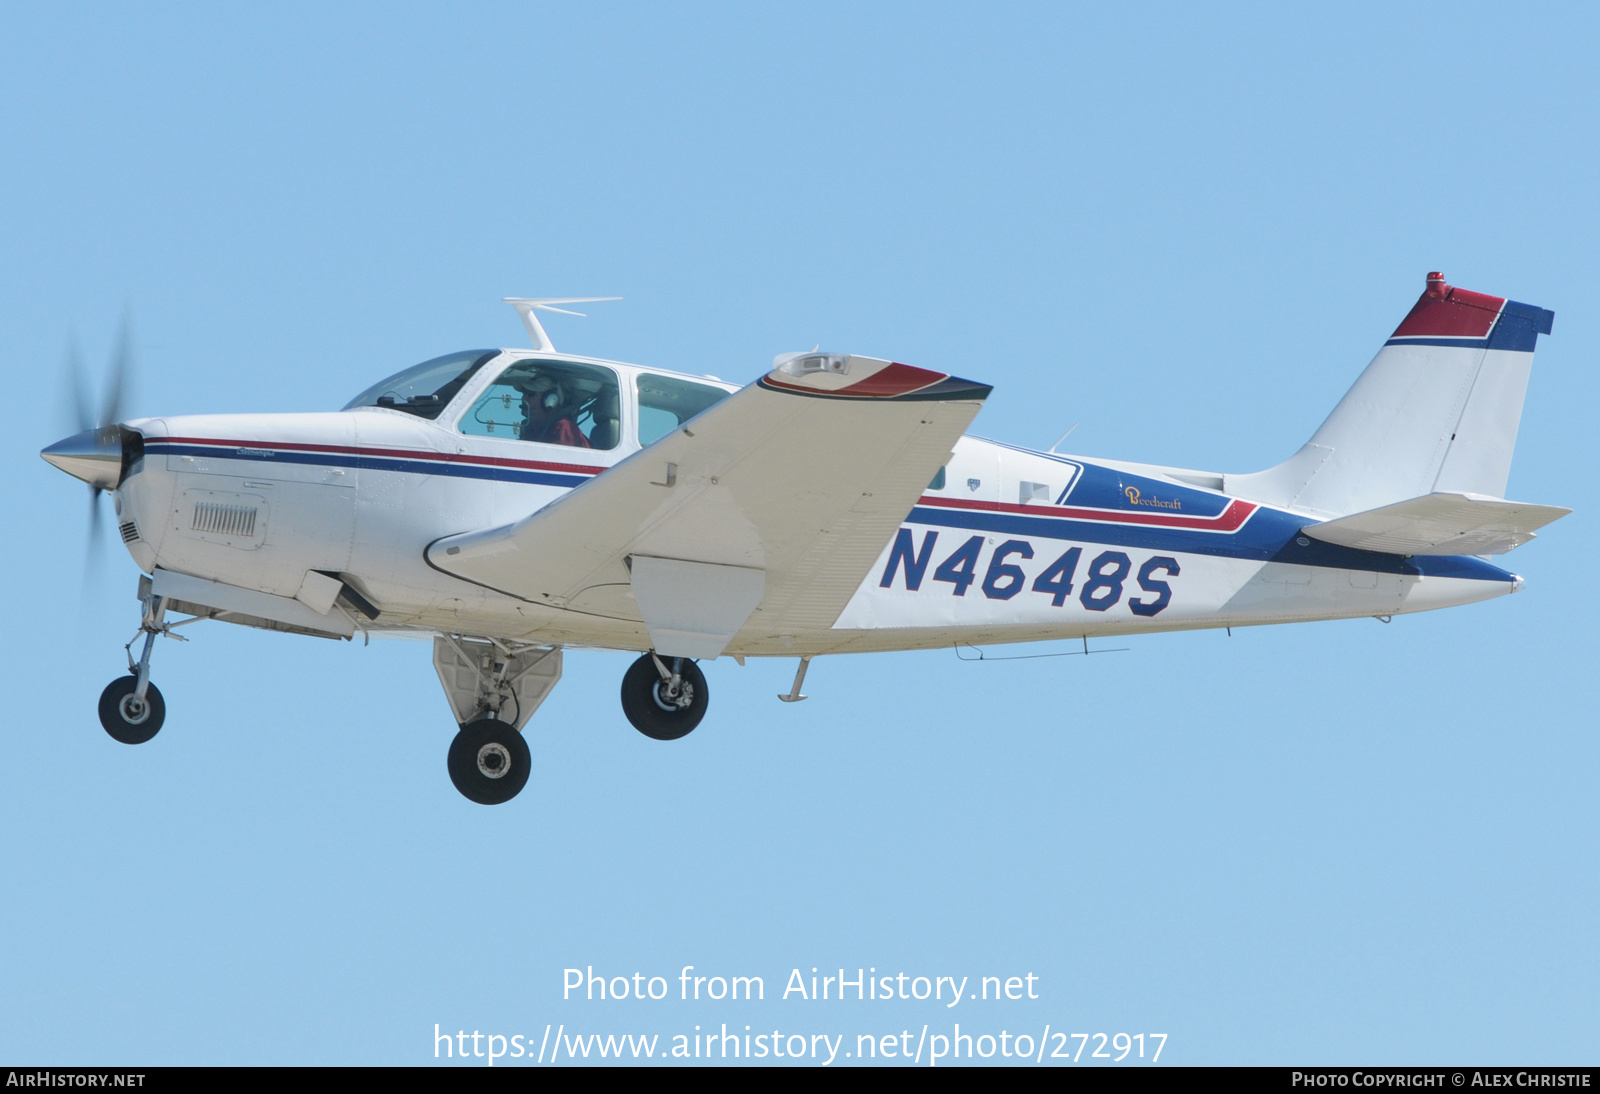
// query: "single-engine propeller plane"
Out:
[515,502]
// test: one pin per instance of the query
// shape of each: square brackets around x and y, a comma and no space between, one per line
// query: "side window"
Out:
[665,403]
[552,402]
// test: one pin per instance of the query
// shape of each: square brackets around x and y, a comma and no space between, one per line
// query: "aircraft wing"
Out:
[767,509]
[1440,524]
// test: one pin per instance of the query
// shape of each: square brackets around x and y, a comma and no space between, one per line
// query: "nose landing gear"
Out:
[128,716]
[131,707]
[664,698]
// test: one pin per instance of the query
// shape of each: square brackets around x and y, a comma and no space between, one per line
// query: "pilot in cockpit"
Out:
[546,417]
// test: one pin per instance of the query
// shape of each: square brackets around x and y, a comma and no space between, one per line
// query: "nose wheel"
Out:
[129,717]
[131,707]
[489,761]
[664,698]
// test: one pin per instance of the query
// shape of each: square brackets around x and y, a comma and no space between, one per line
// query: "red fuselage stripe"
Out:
[384,453]
[1229,520]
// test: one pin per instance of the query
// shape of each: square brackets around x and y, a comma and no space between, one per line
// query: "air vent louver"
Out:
[225,520]
[129,530]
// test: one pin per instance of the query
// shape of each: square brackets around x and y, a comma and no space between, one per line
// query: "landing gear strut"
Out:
[664,698]
[131,707]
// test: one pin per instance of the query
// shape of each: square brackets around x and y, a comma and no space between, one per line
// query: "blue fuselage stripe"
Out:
[375,463]
[1269,535]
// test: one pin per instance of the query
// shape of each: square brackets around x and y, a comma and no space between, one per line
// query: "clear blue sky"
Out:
[1184,229]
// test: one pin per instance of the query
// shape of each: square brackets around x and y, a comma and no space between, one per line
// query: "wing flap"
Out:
[802,476]
[1440,524]
[693,609]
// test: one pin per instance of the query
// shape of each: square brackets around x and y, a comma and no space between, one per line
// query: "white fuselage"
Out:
[987,555]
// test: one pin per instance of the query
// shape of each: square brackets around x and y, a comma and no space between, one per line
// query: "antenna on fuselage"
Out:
[526,308]
[1064,436]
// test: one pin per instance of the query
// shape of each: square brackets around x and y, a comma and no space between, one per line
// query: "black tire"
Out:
[650,713]
[483,748]
[125,719]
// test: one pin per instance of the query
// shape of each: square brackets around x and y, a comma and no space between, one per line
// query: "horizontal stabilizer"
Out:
[1440,524]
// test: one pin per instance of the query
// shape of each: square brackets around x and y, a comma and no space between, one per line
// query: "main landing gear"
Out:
[489,761]
[131,707]
[664,698]
[494,686]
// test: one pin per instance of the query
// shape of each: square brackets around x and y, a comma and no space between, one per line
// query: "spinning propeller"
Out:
[98,452]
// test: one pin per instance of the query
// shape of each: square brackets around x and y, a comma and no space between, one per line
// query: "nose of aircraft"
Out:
[95,456]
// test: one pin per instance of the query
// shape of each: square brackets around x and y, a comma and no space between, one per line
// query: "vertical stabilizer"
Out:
[1436,410]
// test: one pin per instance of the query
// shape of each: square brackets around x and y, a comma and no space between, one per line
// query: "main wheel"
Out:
[489,761]
[128,719]
[649,706]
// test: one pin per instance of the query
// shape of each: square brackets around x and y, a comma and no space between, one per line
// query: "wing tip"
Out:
[942,388]
[956,389]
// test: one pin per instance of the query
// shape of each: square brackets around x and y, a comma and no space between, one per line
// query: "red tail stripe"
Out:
[1455,313]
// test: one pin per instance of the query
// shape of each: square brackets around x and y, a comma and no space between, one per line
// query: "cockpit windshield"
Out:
[425,389]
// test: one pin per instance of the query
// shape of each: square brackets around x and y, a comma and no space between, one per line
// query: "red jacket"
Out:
[563,431]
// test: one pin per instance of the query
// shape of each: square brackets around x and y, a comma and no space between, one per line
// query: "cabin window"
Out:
[938,480]
[550,402]
[425,389]
[665,403]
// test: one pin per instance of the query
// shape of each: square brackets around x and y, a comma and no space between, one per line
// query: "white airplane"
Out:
[512,503]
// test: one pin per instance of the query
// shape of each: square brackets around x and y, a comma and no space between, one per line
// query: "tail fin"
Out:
[1436,411]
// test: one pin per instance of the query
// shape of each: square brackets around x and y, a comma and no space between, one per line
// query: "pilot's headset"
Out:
[545,393]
